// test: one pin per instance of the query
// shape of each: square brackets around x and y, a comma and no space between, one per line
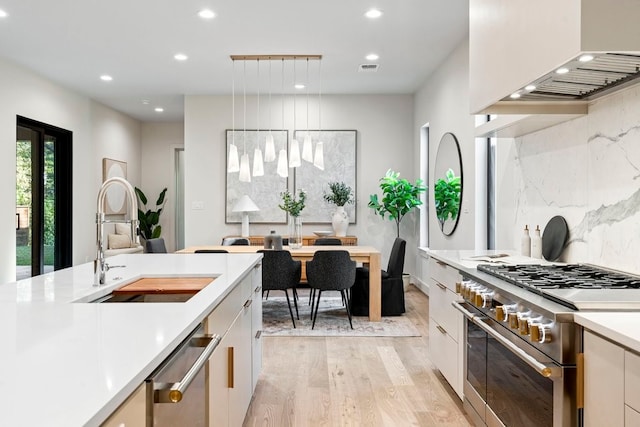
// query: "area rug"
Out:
[332,320]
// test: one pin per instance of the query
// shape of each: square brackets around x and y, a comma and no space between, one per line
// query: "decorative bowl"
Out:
[322,233]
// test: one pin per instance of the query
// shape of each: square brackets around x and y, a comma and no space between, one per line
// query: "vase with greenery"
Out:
[340,195]
[447,193]
[399,197]
[294,208]
[150,227]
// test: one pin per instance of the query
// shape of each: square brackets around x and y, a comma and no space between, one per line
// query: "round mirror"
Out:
[447,188]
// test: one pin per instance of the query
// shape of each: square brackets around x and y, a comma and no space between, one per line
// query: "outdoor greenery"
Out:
[447,197]
[340,194]
[150,219]
[292,206]
[23,255]
[399,197]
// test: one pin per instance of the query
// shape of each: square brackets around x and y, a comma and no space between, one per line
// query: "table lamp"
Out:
[245,205]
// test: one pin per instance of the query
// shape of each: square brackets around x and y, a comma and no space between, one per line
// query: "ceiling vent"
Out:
[368,68]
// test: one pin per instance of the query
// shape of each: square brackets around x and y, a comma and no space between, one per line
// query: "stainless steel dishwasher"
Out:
[176,393]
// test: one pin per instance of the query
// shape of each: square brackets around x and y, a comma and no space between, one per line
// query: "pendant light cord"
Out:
[258,121]
[307,96]
[244,106]
[233,102]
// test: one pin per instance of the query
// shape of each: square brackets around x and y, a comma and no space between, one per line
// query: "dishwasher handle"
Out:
[173,392]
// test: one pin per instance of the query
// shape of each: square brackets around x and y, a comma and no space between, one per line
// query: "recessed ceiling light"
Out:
[299,86]
[3,14]
[106,78]
[373,13]
[180,57]
[158,109]
[530,88]
[372,57]
[206,14]
[515,95]
[562,70]
[586,58]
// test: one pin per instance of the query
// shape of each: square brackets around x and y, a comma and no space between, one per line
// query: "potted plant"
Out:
[340,195]
[399,197]
[150,227]
[294,208]
[447,197]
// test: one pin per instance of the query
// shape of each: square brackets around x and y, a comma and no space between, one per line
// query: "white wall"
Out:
[159,142]
[385,141]
[443,103]
[97,132]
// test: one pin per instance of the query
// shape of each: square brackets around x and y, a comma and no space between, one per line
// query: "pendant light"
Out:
[318,159]
[307,151]
[294,152]
[258,166]
[282,169]
[245,174]
[234,164]
[269,149]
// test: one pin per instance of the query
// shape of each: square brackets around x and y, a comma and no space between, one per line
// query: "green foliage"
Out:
[23,255]
[340,195]
[399,197]
[447,197]
[149,220]
[290,204]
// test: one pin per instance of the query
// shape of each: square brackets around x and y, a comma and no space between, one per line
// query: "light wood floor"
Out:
[346,381]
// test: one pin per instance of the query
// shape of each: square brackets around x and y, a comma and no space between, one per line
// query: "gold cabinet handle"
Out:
[258,335]
[441,329]
[580,381]
[441,286]
[247,303]
[230,367]
[257,289]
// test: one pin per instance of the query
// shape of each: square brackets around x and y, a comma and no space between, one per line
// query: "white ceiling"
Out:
[73,42]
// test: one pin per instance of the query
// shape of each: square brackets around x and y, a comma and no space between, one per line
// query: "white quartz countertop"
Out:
[469,258]
[621,328]
[65,363]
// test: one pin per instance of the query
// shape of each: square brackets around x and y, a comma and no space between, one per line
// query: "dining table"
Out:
[367,255]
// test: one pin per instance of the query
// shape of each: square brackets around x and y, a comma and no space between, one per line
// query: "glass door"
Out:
[43,198]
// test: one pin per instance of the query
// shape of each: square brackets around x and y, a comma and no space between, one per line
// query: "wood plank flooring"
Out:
[361,381]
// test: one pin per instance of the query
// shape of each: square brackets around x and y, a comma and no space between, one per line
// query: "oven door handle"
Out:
[546,370]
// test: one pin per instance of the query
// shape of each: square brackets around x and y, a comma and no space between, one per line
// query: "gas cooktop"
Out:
[579,286]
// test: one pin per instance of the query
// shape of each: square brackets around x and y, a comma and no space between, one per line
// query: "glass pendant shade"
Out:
[258,166]
[318,160]
[307,149]
[245,173]
[234,164]
[294,154]
[282,169]
[269,149]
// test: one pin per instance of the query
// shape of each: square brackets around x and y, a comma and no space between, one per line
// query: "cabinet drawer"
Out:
[444,274]
[225,313]
[632,380]
[631,417]
[444,353]
[440,308]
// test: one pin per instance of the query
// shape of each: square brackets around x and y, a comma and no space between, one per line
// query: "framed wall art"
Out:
[115,200]
[339,152]
[263,190]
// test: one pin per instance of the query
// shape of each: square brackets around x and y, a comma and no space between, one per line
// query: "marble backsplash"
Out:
[586,170]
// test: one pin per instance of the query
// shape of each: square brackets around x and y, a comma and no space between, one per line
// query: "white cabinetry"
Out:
[445,323]
[233,369]
[611,378]
[132,412]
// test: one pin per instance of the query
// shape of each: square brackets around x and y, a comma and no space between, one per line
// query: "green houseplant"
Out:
[447,197]
[340,194]
[149,219]
[289,203]
[399,197]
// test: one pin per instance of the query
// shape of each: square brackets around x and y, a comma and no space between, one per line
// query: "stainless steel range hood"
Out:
[583,80]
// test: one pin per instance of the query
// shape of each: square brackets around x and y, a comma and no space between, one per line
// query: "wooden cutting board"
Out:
[160,285]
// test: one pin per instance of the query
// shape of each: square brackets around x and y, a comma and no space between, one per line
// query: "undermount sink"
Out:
[157,289]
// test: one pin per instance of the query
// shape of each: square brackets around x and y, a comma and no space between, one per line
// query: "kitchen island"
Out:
[69,362]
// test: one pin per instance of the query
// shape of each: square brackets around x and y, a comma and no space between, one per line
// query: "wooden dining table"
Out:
[367,255]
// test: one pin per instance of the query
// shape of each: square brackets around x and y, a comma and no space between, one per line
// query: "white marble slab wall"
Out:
[586,170]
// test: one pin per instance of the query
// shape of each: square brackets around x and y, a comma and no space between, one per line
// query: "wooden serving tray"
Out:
[160,285]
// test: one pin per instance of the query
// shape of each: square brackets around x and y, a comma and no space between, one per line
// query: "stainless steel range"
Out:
[522,343]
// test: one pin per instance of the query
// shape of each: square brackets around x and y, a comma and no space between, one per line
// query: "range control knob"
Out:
[458,287]
[500,313]
[483,298]
[540,333]
[513,320]
[523,324]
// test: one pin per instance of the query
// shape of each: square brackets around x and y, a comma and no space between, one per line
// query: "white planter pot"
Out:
[340,222]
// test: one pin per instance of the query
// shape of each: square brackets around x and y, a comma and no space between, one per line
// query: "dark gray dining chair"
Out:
[210,251]
[280,272]
[327,241]
[235,241]
[331,271]
[392,287]
[155,246]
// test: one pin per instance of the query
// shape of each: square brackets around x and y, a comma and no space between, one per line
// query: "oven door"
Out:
[519,385]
